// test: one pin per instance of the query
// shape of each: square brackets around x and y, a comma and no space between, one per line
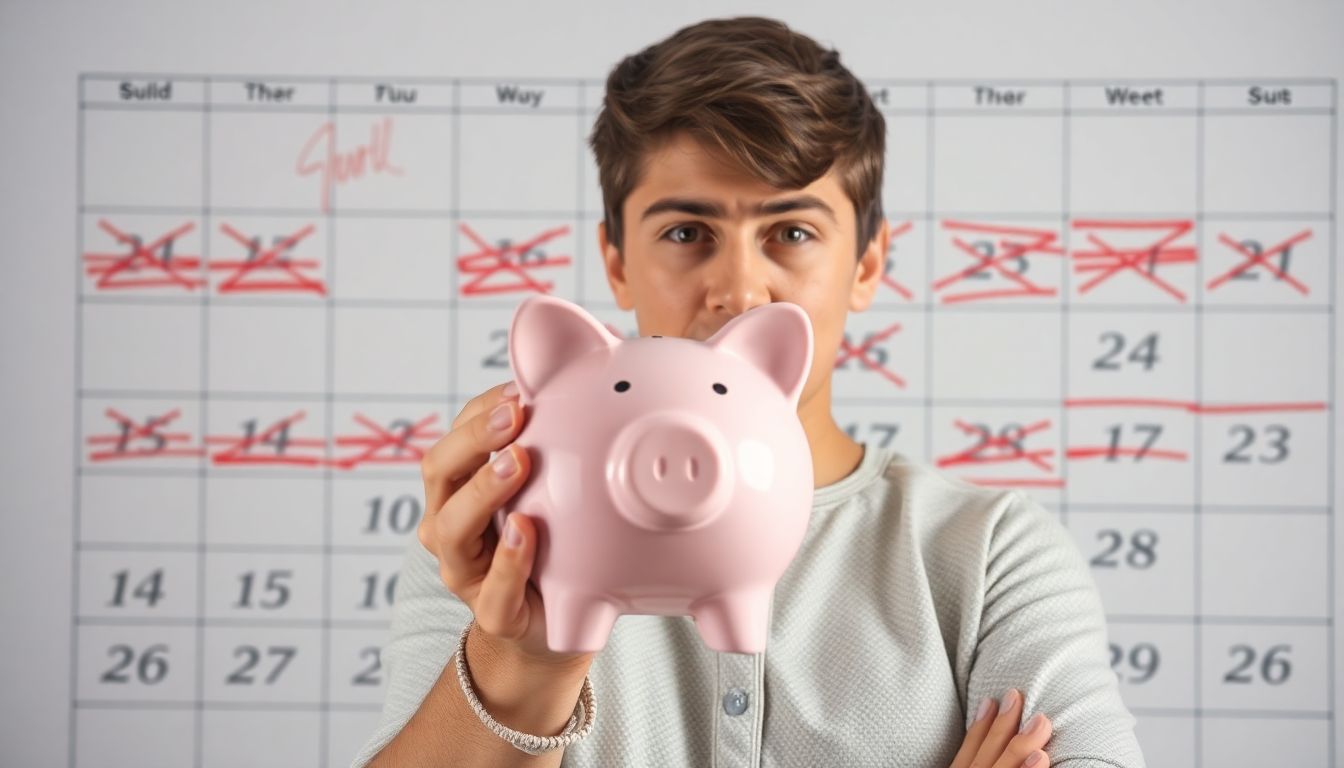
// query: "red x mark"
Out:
[1110,261]
[130,432]
[861,352]
[1253,259]
[887,279]
[143,257]
[272,260]
[394,442]
[276,435]
[508,257]
[1007,447]
[1008,250]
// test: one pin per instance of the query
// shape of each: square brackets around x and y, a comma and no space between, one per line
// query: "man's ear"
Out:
[870,268]
[614,266]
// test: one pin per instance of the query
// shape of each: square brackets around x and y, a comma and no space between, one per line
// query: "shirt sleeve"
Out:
[1043,631]
[426,622]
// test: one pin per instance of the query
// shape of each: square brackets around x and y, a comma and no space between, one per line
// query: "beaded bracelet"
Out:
[579,725]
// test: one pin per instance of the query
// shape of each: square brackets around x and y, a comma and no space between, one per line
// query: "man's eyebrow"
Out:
[712,210]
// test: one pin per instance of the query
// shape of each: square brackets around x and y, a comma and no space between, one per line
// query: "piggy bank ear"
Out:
[776,338]
[549,333]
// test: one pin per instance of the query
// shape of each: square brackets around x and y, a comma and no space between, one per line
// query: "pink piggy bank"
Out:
[669,476]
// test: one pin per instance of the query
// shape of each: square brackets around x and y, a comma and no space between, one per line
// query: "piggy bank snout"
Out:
[672,472]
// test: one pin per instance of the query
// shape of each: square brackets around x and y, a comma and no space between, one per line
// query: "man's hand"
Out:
[995,742]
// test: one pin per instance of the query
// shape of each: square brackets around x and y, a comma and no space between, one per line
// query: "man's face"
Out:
[698,252]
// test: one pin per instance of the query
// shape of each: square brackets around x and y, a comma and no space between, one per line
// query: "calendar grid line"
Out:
[110,75]
[1065,277]
[202,502]
[327,511]
[1026,112]
[491,305]
[455,212]
[929,261]
[1332,373]
[379,624]
[1196,463]
[77,427]
[454,398]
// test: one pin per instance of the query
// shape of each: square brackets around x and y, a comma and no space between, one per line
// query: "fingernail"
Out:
[504,464]
[513,538]
[511,389]
[501,417]
[1009,699]
[1032,724]
[1032,759]
[985,704]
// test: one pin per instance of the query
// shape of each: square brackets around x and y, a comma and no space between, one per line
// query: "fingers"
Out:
[459,528]
[1009,741]
[996,740]
[455,456]
[500,604]
[975,735]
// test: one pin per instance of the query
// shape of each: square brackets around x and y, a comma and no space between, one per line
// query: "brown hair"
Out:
[777,103]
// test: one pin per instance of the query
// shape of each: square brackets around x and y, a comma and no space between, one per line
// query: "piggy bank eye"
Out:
[722,390]
[622,385]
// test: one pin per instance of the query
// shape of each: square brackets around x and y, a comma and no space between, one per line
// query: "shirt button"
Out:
[735,701]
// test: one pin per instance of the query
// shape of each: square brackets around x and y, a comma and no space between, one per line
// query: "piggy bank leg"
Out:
[734,621]
[577,622]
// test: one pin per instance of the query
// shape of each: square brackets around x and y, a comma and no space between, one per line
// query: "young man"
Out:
[741,164]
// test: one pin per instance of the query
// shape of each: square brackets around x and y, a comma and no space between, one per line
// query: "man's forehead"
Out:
[684,167]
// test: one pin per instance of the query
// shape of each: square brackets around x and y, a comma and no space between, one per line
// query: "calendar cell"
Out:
[518,162]
[262,511]
[355,672]
[263,587]
[1141,561]
[1264,668]
[385,260]
[363,587]
[1264,564]
[136,663]
[375,512]
[263,665]
[125,510]
[158,347]
[898,428]
[143,256]
[1130,455]
[881,355]
[267,349]
[146,738]
[501,260]
[268,259]
[1151,662]
[1014,159]
[261,738]
[992,356]
[392,351]
[136,157]
[1112,154]
[145,584]
[1274,459]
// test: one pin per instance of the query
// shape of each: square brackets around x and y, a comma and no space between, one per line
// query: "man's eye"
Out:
[796,235]
[675,234]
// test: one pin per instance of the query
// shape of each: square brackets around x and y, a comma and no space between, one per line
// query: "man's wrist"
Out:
[523,692]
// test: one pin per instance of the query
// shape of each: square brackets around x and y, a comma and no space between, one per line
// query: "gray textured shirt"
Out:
[912,597]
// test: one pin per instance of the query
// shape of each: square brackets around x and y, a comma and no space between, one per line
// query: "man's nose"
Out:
[739,276]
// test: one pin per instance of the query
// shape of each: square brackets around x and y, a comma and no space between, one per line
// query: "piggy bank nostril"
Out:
[660,468]
[692,469]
